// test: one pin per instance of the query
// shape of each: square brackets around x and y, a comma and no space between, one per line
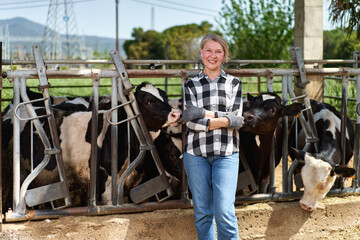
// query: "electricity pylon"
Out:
[61,39]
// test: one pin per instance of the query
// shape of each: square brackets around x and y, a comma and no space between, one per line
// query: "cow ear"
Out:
[293,109]
[296,154]
[250,97]
[344,171]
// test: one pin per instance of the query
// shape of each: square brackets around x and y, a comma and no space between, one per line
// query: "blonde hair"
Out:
[216,38]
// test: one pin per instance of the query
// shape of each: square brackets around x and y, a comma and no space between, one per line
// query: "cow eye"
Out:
[272,110]
[147,102]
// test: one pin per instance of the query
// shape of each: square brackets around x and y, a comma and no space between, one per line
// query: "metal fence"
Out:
[18,76]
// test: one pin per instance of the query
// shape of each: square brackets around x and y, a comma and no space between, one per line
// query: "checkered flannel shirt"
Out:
[222,95]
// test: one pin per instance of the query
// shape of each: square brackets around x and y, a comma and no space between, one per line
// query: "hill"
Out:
[23,33]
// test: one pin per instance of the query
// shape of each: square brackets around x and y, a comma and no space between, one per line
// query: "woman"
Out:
[213,117]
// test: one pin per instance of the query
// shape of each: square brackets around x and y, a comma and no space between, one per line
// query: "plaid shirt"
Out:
[222,95]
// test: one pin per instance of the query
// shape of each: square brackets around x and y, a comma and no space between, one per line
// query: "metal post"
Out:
[356,182]
[114,141]
[166,65]
[16,147]
[117,24]
[94,134]
[0,139]
[285,136]
[184,184]
[272,187]
[345,82]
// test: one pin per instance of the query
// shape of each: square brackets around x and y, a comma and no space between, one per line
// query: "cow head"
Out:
[262,113]
[318,176]
[155,108]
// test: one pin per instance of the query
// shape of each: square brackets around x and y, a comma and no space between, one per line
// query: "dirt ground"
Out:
[336,218]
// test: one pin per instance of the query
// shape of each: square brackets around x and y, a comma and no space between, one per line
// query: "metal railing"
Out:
[269,73]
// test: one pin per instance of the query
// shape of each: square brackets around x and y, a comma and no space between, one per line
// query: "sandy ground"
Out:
[336,218]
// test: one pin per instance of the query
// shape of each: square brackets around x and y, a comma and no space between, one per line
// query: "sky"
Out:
[97,17]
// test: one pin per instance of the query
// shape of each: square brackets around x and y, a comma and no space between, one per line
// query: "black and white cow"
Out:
[318,174]
[319,170]
[158,115]
[73,130]
[261,115]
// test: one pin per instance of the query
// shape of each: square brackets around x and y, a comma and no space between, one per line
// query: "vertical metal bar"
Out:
[356,182]
[16,146]
[1,86]
[114,141]
[293,165]
[166,66]
[117,24]
[94,134]
[284,90]
[269,81]
[345,82]
[184,183]
[272,186]
[32,146]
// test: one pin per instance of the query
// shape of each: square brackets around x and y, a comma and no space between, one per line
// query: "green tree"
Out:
[184,40]
[258,29]
[337,45]
[347,14]
[330,40]
[145,45]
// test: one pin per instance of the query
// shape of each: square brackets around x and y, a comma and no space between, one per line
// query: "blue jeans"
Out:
[212,182]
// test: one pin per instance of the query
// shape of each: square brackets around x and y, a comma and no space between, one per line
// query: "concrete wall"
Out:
[309,36]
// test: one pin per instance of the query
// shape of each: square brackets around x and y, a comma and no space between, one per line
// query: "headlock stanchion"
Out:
[308,126]
[300,83]
[48,193]
[153,186]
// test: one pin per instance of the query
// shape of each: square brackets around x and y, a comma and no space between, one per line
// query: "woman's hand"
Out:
[191,113]
[235,121]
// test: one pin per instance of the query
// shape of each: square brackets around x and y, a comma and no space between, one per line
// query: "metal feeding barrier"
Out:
[23,196]
[123,97]
[159,184]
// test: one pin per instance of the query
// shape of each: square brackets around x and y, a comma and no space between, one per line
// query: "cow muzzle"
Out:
[249,119]
[174,117]
[305,207]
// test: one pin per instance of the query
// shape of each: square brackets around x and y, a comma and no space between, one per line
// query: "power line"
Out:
[186,5]
[177,9]
[27,2]
[43,5]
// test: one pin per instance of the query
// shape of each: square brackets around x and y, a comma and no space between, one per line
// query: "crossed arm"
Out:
[216,123]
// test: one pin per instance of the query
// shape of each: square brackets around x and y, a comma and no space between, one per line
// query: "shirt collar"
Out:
[202,74]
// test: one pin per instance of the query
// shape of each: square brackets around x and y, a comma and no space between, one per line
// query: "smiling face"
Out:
[212,56]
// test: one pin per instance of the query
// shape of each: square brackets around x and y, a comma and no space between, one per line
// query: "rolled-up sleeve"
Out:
[197,125]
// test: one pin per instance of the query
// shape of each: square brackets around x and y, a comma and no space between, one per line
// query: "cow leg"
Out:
[264,185]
